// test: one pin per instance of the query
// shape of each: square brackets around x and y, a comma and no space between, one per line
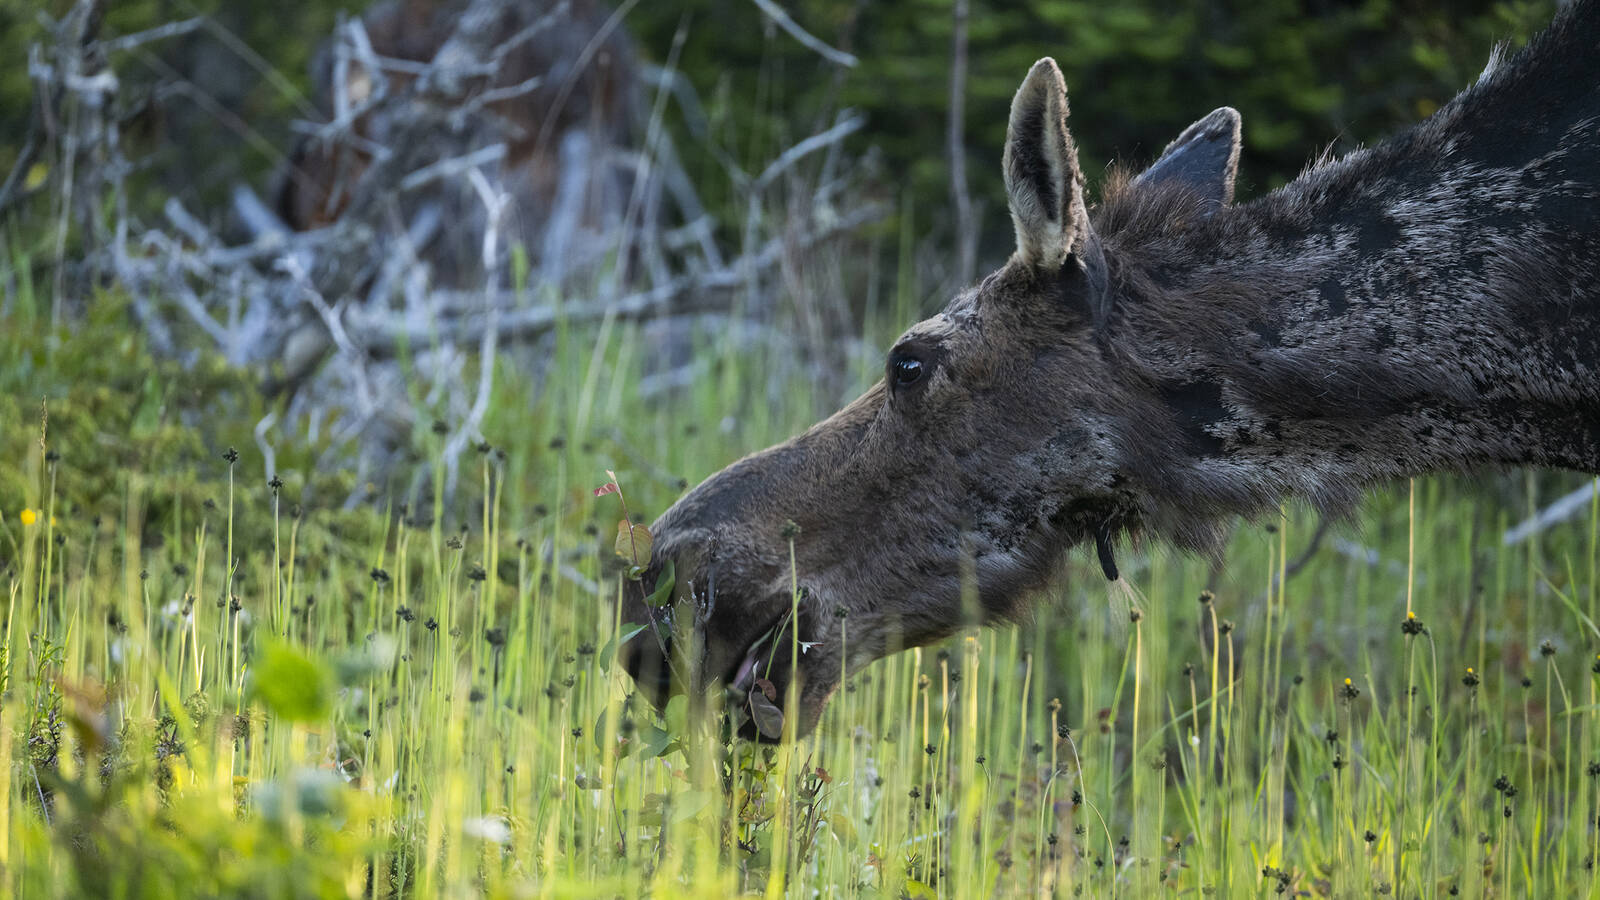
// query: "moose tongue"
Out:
[745,678]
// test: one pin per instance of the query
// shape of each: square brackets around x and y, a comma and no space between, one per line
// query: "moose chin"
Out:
[1161,363]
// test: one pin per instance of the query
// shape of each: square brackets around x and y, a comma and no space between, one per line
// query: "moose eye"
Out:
[906,371]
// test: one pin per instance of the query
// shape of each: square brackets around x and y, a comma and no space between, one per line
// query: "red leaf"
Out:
[609,487]
[768,689]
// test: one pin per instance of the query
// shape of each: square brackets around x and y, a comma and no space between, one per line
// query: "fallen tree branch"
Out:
[379,332]
[781,18]
[1559,511]
[847,126]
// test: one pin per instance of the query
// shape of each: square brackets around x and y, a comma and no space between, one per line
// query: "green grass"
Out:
[217,688]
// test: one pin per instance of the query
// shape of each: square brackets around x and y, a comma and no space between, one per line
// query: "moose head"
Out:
[1163,364]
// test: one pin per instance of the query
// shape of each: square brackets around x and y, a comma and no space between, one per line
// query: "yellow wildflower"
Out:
[29,517]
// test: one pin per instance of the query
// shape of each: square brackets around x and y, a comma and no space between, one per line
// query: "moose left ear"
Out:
[1043,183]
[1205,157]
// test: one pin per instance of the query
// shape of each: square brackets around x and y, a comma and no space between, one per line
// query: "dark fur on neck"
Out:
[1430,303]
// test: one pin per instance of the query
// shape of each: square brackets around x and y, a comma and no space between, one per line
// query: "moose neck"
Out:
[1432,303]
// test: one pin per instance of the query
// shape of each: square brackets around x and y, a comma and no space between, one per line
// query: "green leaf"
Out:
[654,741]
[291,685]
[688,804]
[662,595]
[634,542]
[768,717]
[676,715]
[666,809]
[626,633]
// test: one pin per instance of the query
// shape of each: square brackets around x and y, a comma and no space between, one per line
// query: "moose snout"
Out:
[647,659]
[647,655]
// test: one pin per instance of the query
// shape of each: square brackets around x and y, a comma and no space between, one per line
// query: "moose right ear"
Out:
[1043,183]
[1205,157]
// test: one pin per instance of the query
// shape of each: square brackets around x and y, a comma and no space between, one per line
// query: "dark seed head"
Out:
[1411,626]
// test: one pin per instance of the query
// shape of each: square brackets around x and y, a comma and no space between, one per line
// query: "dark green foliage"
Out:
[174,89]
[1303,74]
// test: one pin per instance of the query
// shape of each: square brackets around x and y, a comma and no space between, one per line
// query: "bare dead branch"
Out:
[961,199]
[781,18]
[449,168]
[151,35]
[1561,510]
[846,126]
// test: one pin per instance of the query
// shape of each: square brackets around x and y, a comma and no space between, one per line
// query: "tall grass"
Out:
[215,686]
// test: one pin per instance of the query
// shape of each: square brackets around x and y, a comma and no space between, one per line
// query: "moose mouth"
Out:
[750,688]
[754,678]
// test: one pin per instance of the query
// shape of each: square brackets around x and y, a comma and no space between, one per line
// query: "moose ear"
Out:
[1043,182]
[1205,157]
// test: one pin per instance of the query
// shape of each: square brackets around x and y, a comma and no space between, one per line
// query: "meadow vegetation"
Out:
[216,682]
[216,685]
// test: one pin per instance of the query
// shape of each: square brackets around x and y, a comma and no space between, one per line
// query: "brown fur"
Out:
[1168,361]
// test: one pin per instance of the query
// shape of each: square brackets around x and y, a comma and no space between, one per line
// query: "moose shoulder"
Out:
[1163,362]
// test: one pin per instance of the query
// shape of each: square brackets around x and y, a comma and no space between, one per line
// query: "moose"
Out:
[1161,363]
